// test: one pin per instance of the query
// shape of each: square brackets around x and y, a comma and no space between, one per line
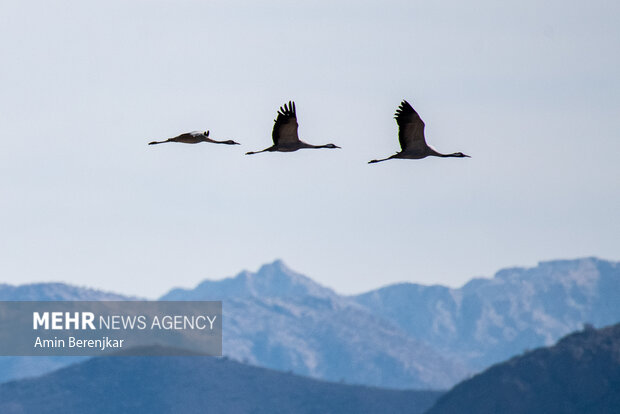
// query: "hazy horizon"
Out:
[529,90]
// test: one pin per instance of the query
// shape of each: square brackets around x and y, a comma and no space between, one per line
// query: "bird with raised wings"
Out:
[194,137]
[284,135]
[411,137]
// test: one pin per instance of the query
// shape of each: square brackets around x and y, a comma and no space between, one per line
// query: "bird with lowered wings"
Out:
[194,137]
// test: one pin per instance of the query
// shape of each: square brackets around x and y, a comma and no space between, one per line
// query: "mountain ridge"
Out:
[488,320]
[283,320]
[50,291]
[248,284]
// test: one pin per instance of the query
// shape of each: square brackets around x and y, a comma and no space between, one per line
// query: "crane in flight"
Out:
[194,137]
[284,135]
[411,137]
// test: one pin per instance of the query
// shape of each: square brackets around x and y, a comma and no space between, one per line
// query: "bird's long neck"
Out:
[258,152]
[158,142]
[454,155]
[433,153]
[215,142]
[304,145]
[383,159]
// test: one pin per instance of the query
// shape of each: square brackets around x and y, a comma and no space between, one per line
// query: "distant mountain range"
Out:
[191,384]
[400,336]
[579,375]
[490,320]
[280,319]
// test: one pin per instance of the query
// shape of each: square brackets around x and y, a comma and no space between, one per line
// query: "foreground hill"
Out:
[282,320]
[490,320]
[581,374]
[195,385]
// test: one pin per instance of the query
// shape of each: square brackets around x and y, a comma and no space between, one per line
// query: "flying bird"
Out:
[285,138]
[411,137]
[194,137]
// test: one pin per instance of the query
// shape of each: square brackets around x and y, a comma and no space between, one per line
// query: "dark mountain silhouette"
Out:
[580,375]
[194,384]
[282,320]
[490,320]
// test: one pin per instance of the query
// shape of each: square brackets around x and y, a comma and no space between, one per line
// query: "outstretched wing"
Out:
[285,127]
[187,135]
[410,128]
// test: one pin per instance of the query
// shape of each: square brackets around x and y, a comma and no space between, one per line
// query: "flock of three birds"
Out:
[285,139]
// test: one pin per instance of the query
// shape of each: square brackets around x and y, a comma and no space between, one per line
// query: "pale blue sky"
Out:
[529,89]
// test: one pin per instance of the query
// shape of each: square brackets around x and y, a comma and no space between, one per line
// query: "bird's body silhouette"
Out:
[285,138]
[194,137]
[411,137]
